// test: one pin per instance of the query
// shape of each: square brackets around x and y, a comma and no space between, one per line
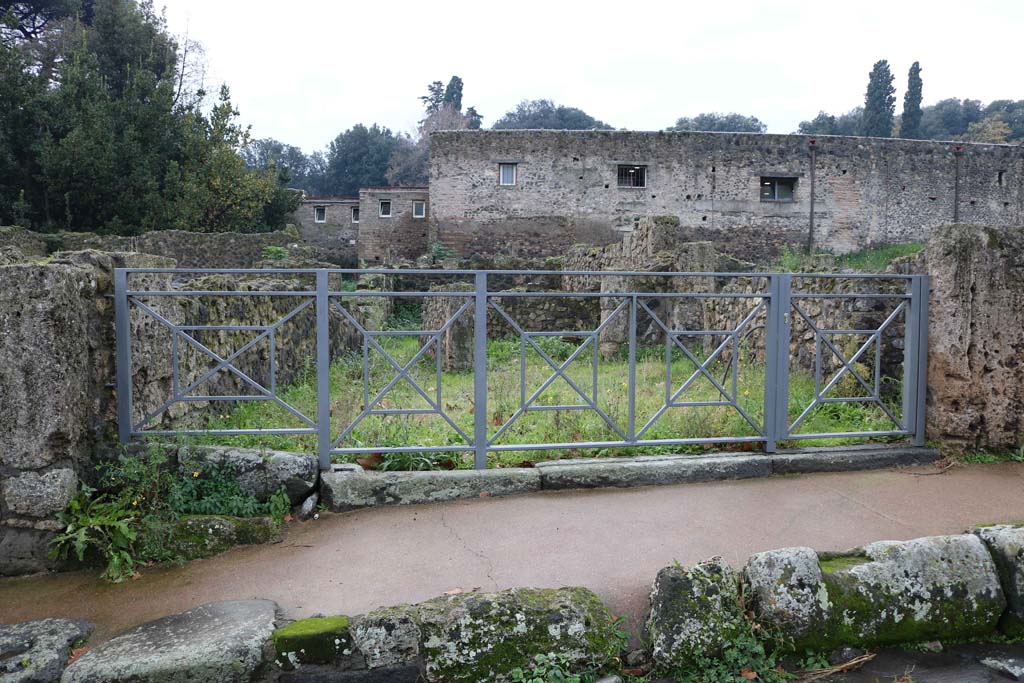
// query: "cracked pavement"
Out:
[613,541]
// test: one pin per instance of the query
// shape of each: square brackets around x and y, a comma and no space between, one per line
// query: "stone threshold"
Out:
[349,487]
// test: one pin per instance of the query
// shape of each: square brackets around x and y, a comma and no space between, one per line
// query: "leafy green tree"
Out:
[828,124]
[1012,113]
[474,119]
[434,99]
[879,102]
[992,129]
[714,121]
[545,114]
[910,121]
[359,157]
[949,119]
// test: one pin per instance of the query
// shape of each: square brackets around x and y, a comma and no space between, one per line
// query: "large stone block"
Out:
[259,473]
[933,588]
[38,651]
[24,551]
[352,488]
[388,637]
[976,333]
[1006,543]
[648,471]
[197,536]
[482,637]
[40,495]
[219,642]
[695,611]
[785,588]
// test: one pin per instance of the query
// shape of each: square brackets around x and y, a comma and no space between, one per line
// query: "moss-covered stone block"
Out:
[934,588]
[198,536]
[785,588]
[318,640]
[483,637]
[695,611]
[1006,544]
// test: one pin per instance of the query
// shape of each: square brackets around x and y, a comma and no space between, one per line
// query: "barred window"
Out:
[632,176]
[419,209]
[777,189]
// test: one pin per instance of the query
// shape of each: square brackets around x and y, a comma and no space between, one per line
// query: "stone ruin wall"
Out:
[58,378]
[868,191]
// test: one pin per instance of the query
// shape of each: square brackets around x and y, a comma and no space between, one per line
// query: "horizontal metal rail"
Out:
[776,304]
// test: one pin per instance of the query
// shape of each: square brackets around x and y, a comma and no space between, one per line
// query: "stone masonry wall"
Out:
[188,249]
[335,239]
[58,378]
[400,236]
[868,191]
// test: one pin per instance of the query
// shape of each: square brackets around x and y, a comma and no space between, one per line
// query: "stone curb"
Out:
[349,487]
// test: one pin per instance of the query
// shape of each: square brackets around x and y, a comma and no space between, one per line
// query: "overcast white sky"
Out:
[305,70]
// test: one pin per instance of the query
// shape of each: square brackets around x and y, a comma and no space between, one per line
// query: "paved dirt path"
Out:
[612,541]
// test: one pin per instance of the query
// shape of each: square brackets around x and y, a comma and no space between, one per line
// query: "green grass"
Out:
[547,426]
[991,457]
[874,260]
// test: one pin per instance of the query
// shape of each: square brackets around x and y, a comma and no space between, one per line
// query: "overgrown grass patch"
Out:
[560,414]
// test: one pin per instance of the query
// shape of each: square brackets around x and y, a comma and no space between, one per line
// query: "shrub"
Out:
[101,526]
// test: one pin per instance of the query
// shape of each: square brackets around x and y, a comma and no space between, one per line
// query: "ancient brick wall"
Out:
[867,191]
[398,236]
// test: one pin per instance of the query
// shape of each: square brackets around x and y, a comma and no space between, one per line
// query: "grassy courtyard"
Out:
[545,421]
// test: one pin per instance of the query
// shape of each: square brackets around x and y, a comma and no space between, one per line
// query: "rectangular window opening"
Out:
[385,208]
[631,175]
[355,214]
[507,174]
[778,189]
[999,177]
[319,214]
[419,209]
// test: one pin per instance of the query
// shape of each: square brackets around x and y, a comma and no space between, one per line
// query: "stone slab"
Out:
[851,459]
[347,489]
[642,471]
[37,651]
[220,642]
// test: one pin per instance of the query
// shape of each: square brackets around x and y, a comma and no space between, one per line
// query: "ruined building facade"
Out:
[536,193]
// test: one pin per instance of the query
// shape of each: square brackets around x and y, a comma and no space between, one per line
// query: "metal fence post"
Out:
[122,332]
[323,370]
[915,359]
[776,379]
[480,373]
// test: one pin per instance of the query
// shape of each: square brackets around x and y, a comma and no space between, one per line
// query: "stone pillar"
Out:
[976,337]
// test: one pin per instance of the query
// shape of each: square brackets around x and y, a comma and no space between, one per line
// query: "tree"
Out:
[29,20]
[879,102]
[1012,114]
[357,158]
[910,121]
[434,99]
[266,153]
[545,114]
[992,129]
[452,98]
[827,124]
[714,121]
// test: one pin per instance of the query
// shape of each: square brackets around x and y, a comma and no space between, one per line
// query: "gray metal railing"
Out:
[776,304]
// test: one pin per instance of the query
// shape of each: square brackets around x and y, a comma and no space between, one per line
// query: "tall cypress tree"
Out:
[879,102]
[910,122]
